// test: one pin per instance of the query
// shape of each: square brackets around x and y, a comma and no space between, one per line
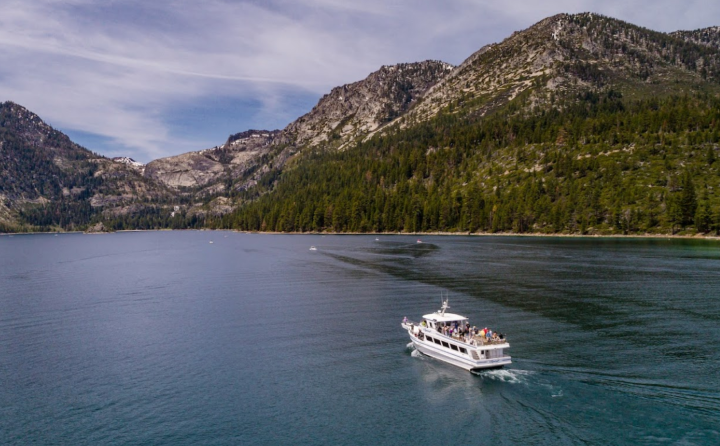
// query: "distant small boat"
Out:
[211,241]
[377,239]
[312,248]
[419,241]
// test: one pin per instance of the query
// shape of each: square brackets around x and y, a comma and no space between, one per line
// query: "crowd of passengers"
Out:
[466,332]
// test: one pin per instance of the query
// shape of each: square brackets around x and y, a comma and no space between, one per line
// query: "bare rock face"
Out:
[231,160]
[186,170]
[356,109]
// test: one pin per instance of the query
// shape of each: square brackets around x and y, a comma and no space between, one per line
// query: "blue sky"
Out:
[149,79]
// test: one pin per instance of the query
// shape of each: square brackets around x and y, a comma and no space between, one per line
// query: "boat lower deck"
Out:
[459,359]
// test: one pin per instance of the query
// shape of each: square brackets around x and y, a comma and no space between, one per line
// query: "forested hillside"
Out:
[598,164]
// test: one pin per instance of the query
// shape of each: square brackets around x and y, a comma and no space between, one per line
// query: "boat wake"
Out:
[513,376]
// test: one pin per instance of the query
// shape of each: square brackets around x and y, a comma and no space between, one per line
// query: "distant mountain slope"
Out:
[47,180]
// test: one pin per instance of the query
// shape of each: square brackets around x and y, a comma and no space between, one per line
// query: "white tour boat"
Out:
[450,338]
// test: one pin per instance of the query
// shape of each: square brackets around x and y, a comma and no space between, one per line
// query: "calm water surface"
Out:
[165,338]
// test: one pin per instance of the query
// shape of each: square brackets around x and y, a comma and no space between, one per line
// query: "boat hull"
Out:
[458,359]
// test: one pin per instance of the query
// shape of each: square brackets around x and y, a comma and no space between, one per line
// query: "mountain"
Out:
[47,181]
[579,124]
[571,53]
[345,114]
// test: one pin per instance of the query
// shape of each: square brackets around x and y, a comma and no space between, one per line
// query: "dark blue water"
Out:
[165,338]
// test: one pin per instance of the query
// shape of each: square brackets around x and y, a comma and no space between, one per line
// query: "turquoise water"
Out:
[165,338]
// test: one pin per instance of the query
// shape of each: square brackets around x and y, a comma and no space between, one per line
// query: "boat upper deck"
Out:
[471,337]
[444,317]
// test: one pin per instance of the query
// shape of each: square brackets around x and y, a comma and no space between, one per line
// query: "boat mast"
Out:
[445,305]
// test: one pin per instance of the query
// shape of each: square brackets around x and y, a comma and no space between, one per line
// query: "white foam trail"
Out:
[410,345]
[513,376]
[415,354]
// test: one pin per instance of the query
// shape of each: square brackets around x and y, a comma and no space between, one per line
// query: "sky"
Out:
[155,78]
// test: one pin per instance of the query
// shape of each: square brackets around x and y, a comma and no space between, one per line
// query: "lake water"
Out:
[165,338]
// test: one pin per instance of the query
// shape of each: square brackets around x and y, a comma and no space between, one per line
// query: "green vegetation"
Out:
[593,164]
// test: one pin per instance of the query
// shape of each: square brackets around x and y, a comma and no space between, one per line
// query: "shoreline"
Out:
[415,234]
[496,234]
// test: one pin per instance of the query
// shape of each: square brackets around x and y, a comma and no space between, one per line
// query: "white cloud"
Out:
[118,68]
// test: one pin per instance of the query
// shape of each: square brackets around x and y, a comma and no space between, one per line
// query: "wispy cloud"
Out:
[120,69]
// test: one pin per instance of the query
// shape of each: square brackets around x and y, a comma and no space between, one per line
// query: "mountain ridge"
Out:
[567,63]
[348,112]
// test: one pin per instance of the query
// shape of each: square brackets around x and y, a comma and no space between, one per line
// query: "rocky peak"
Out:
[137,165]
[30,129]
[566,53]
[356,109]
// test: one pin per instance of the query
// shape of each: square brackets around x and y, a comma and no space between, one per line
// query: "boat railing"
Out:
[484,341]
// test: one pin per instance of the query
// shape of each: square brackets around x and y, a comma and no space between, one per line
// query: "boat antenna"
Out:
[445,305]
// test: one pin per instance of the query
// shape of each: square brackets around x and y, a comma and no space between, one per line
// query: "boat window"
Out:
[453,346]
[429,339]
[462,350]
[445,344]
[436,341]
